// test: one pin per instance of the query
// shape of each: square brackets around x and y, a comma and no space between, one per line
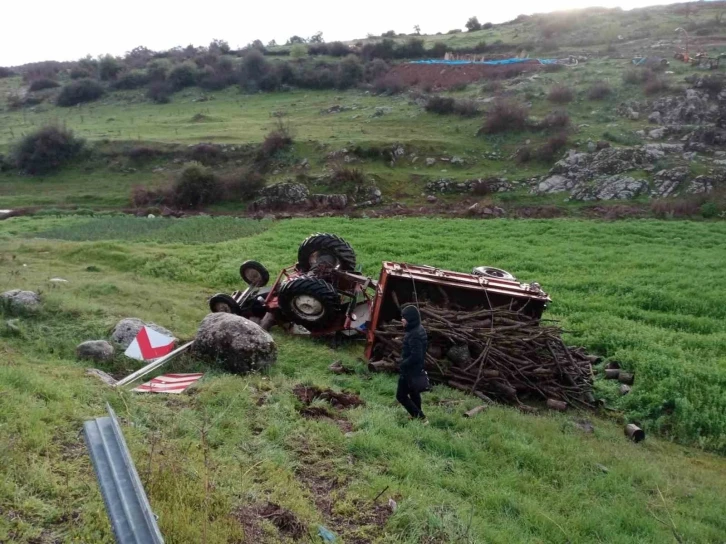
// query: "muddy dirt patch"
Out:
[307,394]
[252,516]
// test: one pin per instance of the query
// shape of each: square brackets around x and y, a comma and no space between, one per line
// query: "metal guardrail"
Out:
[127,506]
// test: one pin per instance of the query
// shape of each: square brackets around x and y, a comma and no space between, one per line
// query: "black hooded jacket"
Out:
[415,342]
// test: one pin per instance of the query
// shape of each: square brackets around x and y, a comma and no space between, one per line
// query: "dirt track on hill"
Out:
[444,76]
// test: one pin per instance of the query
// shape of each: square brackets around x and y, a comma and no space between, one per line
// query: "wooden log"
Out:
[338,368]
[381,366]
[626,377]
[624,389]
[612,364]
[635,433]
[558,405]
[475,411]
[612,373]
[483,397]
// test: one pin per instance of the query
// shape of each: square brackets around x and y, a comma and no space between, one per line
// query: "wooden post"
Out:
[627,378]
[612,373]
[558,405]
[624,389]
[475,411]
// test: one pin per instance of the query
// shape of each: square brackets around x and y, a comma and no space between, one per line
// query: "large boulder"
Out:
[95,350]
[281,196]
[126,330]
[236,343]
[20,300]
[617,187]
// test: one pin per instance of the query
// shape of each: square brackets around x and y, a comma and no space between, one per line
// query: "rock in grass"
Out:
[126,330]
[234,342]
[21,300]
[95,350]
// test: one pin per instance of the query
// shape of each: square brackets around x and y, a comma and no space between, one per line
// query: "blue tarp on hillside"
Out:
[489,62]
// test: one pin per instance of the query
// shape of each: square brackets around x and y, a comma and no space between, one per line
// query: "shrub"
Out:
[298,51]
[487,26]
[242,184]
[205,154]
[473,24]
[343,176]
[142,197]
[350,72]
[552,148]
[80,91]
[157,69]
[375,69]
[557,119]
[253,68]
[655,86]
[160,92]
[709,210]
[712,84]
[134,79]
[79,73]
[43,83]
[182,76]
[46,149]
[437,50]
[523,154]
[440,104]
[504,115]
[6,72]
[196,186]
[142,153]
[279,139]
[108,68]
[560,94]
[389,84]
[338,49]
[599,90]
[444,105]
[552,68]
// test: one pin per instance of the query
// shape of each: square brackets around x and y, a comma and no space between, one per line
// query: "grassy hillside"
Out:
[334,105]
[211,460]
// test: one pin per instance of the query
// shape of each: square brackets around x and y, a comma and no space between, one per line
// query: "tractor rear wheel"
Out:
[310,302]
[325,249]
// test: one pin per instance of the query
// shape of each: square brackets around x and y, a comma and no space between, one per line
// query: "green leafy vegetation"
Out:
[624,290]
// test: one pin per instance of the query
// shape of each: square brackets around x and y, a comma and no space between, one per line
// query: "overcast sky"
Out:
[71,29]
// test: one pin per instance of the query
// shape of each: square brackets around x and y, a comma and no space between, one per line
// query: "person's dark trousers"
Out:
[410,399]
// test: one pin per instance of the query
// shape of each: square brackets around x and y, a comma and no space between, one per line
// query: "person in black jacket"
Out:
[413,353]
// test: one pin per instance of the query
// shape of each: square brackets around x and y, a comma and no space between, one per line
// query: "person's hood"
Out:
[412,317]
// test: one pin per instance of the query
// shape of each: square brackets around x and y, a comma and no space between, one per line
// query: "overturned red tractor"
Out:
[325,293]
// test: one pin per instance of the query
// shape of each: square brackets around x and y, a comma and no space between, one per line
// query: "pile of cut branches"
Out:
[497,354]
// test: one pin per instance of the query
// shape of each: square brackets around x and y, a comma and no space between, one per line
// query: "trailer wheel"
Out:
[325,249]
[310,302]
[224,303]
[491,272]
[254,273]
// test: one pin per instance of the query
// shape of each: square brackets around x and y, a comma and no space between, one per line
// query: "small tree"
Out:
[46,149]
[298,51]
[473,24]
[417,30]
[80,91]
[272,43]
[197,186]
[108,68]
[219,46]
[295,39]
[316,38]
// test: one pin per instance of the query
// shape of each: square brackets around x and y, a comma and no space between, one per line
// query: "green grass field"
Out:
[646,293]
